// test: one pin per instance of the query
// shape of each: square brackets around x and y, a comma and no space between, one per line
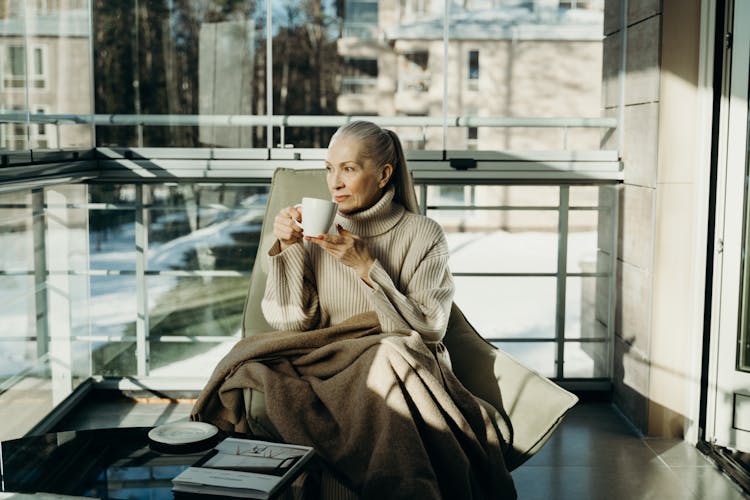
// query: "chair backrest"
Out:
[287,188]
[529,404]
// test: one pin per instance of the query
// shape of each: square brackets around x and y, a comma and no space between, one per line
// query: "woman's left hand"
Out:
[347,248]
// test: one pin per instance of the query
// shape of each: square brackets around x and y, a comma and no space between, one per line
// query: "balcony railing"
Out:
[130,265]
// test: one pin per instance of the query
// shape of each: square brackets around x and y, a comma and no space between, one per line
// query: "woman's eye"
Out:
[349,169]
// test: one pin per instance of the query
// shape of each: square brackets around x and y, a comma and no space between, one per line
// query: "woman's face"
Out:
[354,182]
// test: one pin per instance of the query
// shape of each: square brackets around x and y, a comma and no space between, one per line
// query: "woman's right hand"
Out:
[286,230]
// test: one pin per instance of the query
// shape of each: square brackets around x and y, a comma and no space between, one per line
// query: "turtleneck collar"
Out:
[377,219]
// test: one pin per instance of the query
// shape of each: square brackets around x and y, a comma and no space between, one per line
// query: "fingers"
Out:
[284,227]
[337,246]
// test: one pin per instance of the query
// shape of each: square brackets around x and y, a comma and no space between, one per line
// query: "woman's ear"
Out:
[385,175]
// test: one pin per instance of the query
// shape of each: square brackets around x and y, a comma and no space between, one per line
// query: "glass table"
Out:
[103,463]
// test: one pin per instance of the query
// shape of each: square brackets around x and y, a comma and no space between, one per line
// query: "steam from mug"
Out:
[317,215]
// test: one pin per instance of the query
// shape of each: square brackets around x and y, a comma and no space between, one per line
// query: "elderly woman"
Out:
[384,258]
[357,368]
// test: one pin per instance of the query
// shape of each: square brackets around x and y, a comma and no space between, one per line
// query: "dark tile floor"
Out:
[594,454]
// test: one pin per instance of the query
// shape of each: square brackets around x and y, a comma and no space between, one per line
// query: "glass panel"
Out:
[114,359]
[18,313]
[586,307]
[743,340]
[307,73]
[112,231]
[500,66]
[192,307]
[205,227]
[501,251]
[508,307]
[59,58]
[67,229]
[539,356]
[112,239]
[196,306]
[15,355]
[16,239]
[582,241]
[187,58]
[113,306]
[586,360]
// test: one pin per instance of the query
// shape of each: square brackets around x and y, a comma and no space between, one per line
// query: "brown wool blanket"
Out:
[379,407]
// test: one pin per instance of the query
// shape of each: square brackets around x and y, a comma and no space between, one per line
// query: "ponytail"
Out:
[401,178]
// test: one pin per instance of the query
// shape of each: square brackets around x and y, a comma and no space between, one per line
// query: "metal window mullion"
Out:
[446,25]
[141,247]
[562,269]
[269,75]
[26,55]
[423,195]
[40,272]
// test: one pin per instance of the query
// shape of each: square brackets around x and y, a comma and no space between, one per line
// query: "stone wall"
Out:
[655,270]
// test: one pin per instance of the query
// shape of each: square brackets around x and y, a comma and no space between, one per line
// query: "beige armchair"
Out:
[530,406]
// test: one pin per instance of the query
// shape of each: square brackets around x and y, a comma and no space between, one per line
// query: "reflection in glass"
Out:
[205,227]
[306,67]
[180,58]
[583,243]
[46,64]
[112,315]
[192,307]
[585,360]
[586,307]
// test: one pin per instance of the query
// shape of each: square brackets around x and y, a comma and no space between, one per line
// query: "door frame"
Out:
[718,404]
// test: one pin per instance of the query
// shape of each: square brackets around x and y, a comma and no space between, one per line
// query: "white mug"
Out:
[317,215]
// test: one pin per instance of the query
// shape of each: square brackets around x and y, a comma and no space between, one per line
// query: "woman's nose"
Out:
[336,180]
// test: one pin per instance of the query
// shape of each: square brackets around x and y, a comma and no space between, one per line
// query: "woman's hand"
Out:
[347,248]
[285,227]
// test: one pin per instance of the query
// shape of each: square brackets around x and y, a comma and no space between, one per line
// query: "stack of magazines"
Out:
[244,468]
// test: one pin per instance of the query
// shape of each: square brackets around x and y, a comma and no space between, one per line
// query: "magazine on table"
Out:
[246,468]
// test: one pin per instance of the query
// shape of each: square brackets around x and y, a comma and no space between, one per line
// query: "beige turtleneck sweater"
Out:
[413,288]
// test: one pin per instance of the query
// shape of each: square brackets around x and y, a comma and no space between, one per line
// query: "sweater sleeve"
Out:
[290,301]
[424,305]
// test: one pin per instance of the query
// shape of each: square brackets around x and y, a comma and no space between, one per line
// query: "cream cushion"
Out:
[529,405]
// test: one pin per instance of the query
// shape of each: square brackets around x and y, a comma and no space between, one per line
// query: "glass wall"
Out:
[507,75]
[131,278]
[45,57]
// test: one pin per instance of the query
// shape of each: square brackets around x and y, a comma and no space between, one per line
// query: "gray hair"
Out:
[384,147]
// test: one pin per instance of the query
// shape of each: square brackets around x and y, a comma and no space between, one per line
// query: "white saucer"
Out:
[182,433]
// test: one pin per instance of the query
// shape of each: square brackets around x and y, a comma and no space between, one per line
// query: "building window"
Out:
[473,73]
[14,76]
[14,67]
[413,75]
[361,18]
[360,76]
[472,138]
[39,135]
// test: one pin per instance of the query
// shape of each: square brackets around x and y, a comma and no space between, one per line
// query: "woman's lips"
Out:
[340,198]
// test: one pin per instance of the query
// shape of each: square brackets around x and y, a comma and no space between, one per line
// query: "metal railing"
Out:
[284,121]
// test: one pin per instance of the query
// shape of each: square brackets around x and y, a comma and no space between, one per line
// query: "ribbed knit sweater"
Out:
[413,289]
